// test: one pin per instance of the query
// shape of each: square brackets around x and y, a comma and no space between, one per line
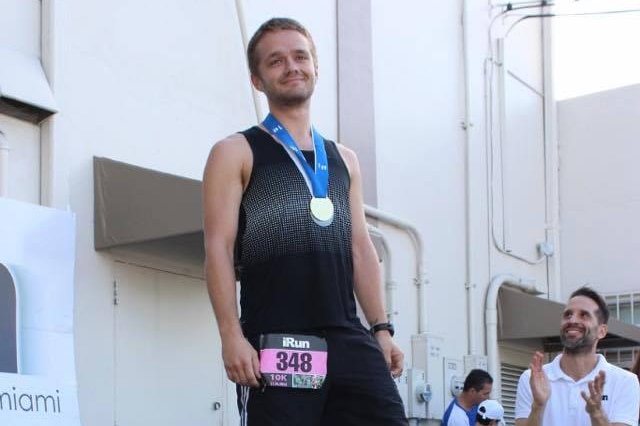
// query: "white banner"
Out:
[37,401]
[37,366]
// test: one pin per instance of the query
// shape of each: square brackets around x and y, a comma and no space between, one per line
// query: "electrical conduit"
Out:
[420,277]
[491,322]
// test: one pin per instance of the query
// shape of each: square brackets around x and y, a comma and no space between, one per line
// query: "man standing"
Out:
[286,206]
[463,408]
[578,387]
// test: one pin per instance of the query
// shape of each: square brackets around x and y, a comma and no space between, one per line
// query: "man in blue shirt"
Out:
[463,408]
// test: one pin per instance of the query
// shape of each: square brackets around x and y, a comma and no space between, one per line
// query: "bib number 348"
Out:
[292,360]
[297,361]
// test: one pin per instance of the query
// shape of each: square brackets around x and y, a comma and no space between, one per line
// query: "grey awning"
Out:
[146,211]
[153,215]
[24,89]
[522,316]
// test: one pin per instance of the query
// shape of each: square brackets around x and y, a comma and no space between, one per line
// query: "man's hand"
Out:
[241,361]
[593,401]
[392,353]
[538,381]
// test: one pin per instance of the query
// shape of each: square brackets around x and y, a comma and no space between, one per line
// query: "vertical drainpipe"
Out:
[469,286]
[4,165]
[491,323]
[420,279]
[389,284]
[47,134]
[242,22]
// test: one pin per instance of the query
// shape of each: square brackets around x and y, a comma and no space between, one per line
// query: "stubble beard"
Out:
[290,99]
[580,345]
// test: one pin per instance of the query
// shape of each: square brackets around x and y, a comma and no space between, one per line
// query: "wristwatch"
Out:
[383,326]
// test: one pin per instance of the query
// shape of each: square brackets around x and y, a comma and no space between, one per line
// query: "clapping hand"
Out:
[538,381]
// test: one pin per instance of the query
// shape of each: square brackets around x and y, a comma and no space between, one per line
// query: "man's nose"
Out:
[292,66]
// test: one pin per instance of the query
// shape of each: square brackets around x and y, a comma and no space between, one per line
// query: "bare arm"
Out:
[367,279]
[226,172]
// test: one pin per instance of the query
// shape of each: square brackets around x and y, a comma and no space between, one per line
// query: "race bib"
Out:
[293,360]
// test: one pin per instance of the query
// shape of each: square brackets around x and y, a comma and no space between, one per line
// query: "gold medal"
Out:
[321,211]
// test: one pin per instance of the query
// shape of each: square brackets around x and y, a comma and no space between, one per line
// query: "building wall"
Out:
[20,36]
[156,83]
[475,183]
[599,236]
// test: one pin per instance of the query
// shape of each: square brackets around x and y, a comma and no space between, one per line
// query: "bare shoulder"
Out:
[231,152]
[234,145]
[349,157]
[230,160]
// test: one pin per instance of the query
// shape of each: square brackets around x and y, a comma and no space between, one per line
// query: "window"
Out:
[626,308]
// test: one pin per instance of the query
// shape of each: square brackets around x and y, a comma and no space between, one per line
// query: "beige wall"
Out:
[155,84]
[600,190]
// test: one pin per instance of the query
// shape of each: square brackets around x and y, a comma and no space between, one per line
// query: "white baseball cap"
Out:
[490,409]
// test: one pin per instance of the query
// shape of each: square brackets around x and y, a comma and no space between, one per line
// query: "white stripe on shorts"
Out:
[244,402]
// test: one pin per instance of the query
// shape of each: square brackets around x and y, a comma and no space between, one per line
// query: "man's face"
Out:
[483,394]
[580,329]
[286,70]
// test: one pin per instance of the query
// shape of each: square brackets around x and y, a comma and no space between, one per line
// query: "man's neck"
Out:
[578,366]
[297,121]
[465,402]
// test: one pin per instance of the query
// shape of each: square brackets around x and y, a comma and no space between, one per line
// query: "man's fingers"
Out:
[256,365]
[397,365]
[584,396]
[243,374]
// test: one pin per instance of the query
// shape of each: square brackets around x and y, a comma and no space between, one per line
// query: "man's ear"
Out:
[603,329]
[257,83]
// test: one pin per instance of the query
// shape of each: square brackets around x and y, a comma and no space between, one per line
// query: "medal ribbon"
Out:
[317,179]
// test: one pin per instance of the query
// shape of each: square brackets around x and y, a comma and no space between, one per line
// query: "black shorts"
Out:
[358,390]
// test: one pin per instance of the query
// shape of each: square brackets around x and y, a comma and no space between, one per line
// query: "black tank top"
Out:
[295,275]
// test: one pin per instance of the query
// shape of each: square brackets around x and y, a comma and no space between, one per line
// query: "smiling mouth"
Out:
[569,331]
[293,80]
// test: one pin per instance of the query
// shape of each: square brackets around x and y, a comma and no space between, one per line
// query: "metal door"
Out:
[167,351]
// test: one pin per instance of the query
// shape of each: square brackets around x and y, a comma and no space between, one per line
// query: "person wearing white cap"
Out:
[490,412]
[463,408]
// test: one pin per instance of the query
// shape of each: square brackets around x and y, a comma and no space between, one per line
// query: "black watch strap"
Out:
[383,326]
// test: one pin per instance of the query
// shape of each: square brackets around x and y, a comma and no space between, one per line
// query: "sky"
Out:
[597,52]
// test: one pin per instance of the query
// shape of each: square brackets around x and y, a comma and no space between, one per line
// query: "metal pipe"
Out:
[420,278]
[389,284]
[467,174]
[242,21]
[48,175]
[4,165]
[491,321]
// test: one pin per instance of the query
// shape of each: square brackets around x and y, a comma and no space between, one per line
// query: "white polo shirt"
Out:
[620,397]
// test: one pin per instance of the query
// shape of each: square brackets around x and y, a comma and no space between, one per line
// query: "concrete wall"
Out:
[156,83]
[600,190]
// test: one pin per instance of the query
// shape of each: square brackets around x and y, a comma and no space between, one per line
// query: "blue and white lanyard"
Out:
[317,179]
